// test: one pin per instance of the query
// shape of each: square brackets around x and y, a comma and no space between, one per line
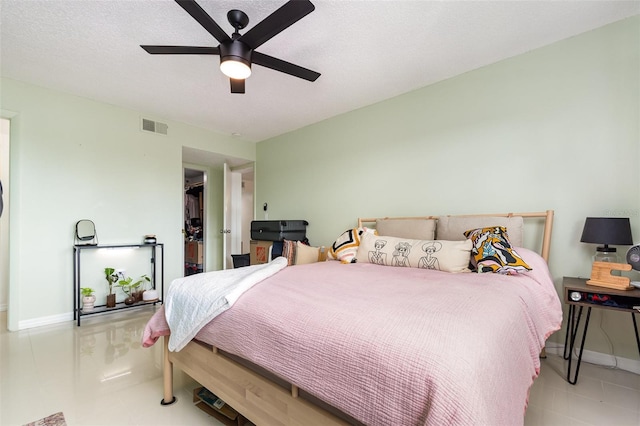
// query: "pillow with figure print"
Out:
[441,255]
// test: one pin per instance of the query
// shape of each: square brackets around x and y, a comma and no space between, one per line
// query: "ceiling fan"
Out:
[237,53]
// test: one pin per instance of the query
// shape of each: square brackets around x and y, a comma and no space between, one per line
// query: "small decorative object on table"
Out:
[150,296]
[88,299]
[86,233]
[150,239]
[601,275]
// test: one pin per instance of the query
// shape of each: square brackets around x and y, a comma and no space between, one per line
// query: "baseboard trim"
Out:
[50,320]
[605,360]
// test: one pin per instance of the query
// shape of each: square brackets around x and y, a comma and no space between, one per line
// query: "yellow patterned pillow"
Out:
[492,251]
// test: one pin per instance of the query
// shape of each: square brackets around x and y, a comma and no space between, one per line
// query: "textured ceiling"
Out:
[366,51]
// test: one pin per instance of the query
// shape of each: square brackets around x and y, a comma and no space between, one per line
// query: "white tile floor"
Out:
[601,396]
[98,374]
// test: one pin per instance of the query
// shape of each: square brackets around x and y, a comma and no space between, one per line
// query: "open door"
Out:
[232,222]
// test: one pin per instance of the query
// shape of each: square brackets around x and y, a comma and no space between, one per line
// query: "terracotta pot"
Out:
[111,300]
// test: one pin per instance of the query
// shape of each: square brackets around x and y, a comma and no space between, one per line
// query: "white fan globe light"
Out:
[235,69]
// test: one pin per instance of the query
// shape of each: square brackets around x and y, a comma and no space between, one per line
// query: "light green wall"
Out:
[556,128]
[74,158]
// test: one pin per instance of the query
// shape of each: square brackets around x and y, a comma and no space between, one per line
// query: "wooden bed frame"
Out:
[257,398]
[546,237]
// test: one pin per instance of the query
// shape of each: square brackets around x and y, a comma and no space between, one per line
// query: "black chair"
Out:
[240,260]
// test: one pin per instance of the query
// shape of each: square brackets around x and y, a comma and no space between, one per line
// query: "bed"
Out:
[367,343]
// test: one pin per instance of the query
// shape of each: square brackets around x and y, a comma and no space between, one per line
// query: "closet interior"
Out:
[194,184]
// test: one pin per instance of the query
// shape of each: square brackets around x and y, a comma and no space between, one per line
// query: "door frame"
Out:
[205,199]
[5,155]
[213,162]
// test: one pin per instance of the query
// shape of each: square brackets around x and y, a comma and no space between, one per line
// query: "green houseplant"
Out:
[112,278]
[88,299]
[132,288]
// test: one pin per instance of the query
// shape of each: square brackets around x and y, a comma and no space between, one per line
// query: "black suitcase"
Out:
[278,230]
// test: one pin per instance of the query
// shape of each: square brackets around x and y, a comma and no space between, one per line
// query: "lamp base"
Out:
[601,275]
[606,254]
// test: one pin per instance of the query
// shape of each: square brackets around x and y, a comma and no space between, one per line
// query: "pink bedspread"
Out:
[396,346]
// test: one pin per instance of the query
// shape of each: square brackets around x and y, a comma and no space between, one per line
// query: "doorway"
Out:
[194,220]
[215,254]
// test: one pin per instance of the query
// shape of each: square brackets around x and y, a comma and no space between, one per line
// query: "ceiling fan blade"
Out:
[180,50]
[290,13]
[237,86]
[203,18]
[284,66]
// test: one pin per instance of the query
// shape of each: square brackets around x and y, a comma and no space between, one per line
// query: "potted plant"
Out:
[140,287]
[130,288]
[88,299]
[112,278]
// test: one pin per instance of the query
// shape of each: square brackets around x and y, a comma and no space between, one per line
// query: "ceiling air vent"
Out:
[154,126]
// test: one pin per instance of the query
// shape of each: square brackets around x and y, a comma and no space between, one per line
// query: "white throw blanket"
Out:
[195,300]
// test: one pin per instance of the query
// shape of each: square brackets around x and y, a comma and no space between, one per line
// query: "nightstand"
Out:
[578,294]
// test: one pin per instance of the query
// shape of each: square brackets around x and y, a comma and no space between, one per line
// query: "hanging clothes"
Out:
[191,207]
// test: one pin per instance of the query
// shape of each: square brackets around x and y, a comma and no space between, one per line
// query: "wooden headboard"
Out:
[546,215]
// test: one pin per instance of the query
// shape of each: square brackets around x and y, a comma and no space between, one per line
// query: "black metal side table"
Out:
[578,295]
[156,261]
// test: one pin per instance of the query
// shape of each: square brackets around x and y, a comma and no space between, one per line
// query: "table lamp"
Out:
[605,231]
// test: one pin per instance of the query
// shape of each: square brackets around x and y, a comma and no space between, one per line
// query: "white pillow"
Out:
[306,254]
[442,255]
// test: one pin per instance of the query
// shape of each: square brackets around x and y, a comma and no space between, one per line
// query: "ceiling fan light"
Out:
[235,68]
